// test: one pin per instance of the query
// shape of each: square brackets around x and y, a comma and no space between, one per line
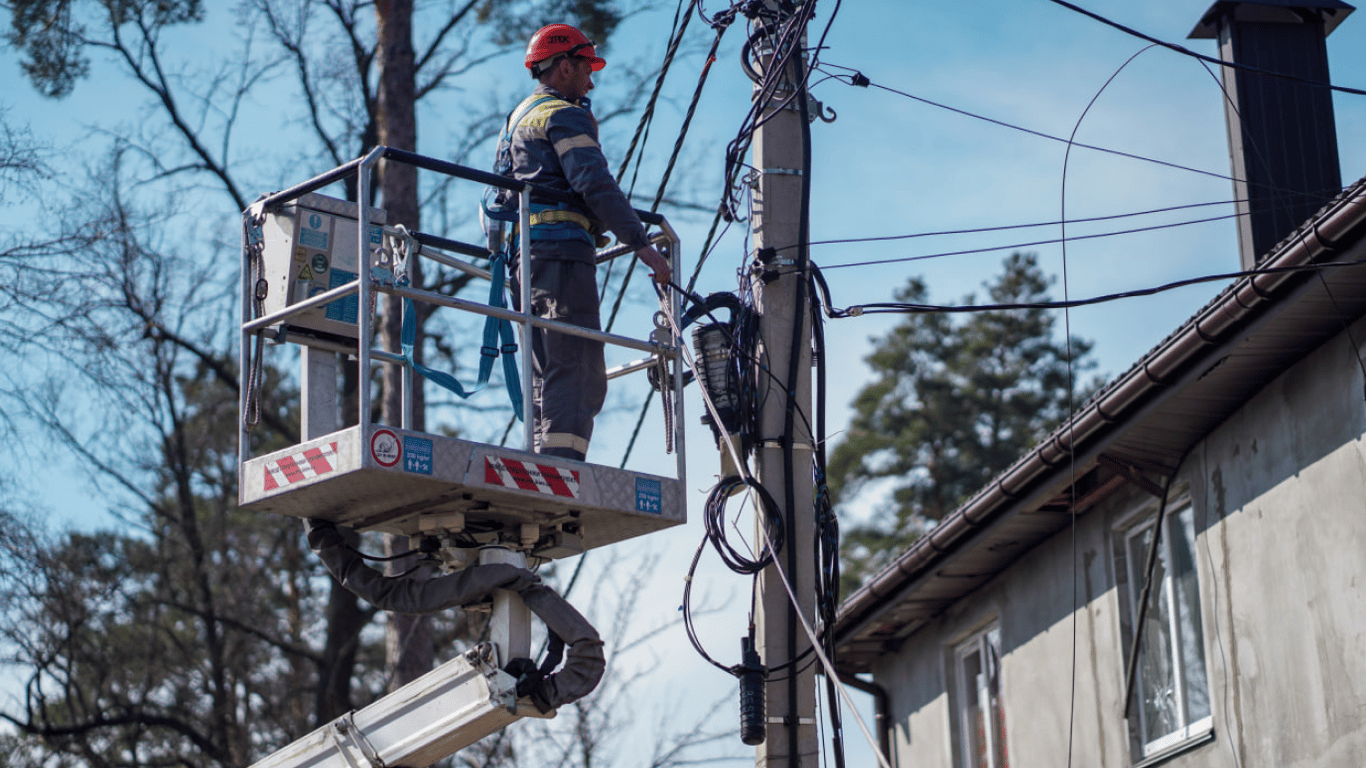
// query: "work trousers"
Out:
[569,373]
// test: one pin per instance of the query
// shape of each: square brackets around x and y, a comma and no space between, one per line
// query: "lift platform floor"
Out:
[375,477]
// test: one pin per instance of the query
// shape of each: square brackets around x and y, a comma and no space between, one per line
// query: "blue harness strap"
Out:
[494,330]
[502,164]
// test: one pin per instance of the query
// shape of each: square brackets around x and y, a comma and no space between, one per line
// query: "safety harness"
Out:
[494,330]
[549,221]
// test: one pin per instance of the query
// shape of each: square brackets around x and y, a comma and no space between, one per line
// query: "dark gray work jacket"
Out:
[555,144]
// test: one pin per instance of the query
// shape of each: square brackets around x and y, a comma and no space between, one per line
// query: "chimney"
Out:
[1282,140]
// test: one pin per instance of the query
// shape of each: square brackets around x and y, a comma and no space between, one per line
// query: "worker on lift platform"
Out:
[551,140]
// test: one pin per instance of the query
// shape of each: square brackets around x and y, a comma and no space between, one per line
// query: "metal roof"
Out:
[1145,420]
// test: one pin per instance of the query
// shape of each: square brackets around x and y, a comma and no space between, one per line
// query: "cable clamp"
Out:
[779,443]
[787,721]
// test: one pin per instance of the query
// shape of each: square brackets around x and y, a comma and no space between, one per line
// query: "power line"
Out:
[1209,59]
[860,80]
[1031,244]
[884,308]
[1071,391]
[1008,227]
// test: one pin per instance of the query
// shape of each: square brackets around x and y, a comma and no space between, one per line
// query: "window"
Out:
[1171,691]
[982,717]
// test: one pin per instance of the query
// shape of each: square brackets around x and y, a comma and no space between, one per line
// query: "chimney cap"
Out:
[1284,11]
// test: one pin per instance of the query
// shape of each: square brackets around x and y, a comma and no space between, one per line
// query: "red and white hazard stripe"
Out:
[300,466]
[541,478]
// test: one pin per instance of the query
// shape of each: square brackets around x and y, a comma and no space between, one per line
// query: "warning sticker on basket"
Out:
[649,495]
[385,448]
[527,476]
[301,466]
[417,455]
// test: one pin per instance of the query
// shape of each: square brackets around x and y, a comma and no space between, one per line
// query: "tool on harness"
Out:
[494,329]
[549,221]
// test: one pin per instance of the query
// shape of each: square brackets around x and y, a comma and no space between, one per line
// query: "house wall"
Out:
[1279,501]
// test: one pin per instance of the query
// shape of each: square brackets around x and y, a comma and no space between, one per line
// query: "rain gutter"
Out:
[881,705]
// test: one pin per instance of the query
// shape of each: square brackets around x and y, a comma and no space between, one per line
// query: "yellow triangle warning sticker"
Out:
[305,273]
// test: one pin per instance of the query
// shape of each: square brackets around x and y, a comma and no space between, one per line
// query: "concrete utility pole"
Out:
[783,465]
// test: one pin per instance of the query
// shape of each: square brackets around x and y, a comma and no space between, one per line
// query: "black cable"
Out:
[1035,225]
[1030,244]
[902,308]
[642,135]
[1209,59]
[859,79]
[1071,441]
[807,660]
[647,117]
[825,523]
[786,39]
[714,523]
[826,526]
[1035,243]
[673,159]
[1031,131]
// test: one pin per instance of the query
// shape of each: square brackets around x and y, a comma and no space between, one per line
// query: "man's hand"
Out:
[663,271]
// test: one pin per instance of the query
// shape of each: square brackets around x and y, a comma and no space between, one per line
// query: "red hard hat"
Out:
[561,39]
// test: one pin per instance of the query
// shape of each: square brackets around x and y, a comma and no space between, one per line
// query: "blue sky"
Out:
[892,165]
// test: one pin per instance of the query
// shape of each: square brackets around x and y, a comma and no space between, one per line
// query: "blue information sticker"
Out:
[417,455]
[344,310]
[313,238]
[649,496]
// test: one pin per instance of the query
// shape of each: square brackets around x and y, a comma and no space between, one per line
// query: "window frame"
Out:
[1191,730]
[985,643]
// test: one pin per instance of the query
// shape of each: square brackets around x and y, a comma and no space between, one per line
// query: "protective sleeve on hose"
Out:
[584,660]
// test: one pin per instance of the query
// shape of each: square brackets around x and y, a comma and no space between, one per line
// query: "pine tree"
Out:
[955,401]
